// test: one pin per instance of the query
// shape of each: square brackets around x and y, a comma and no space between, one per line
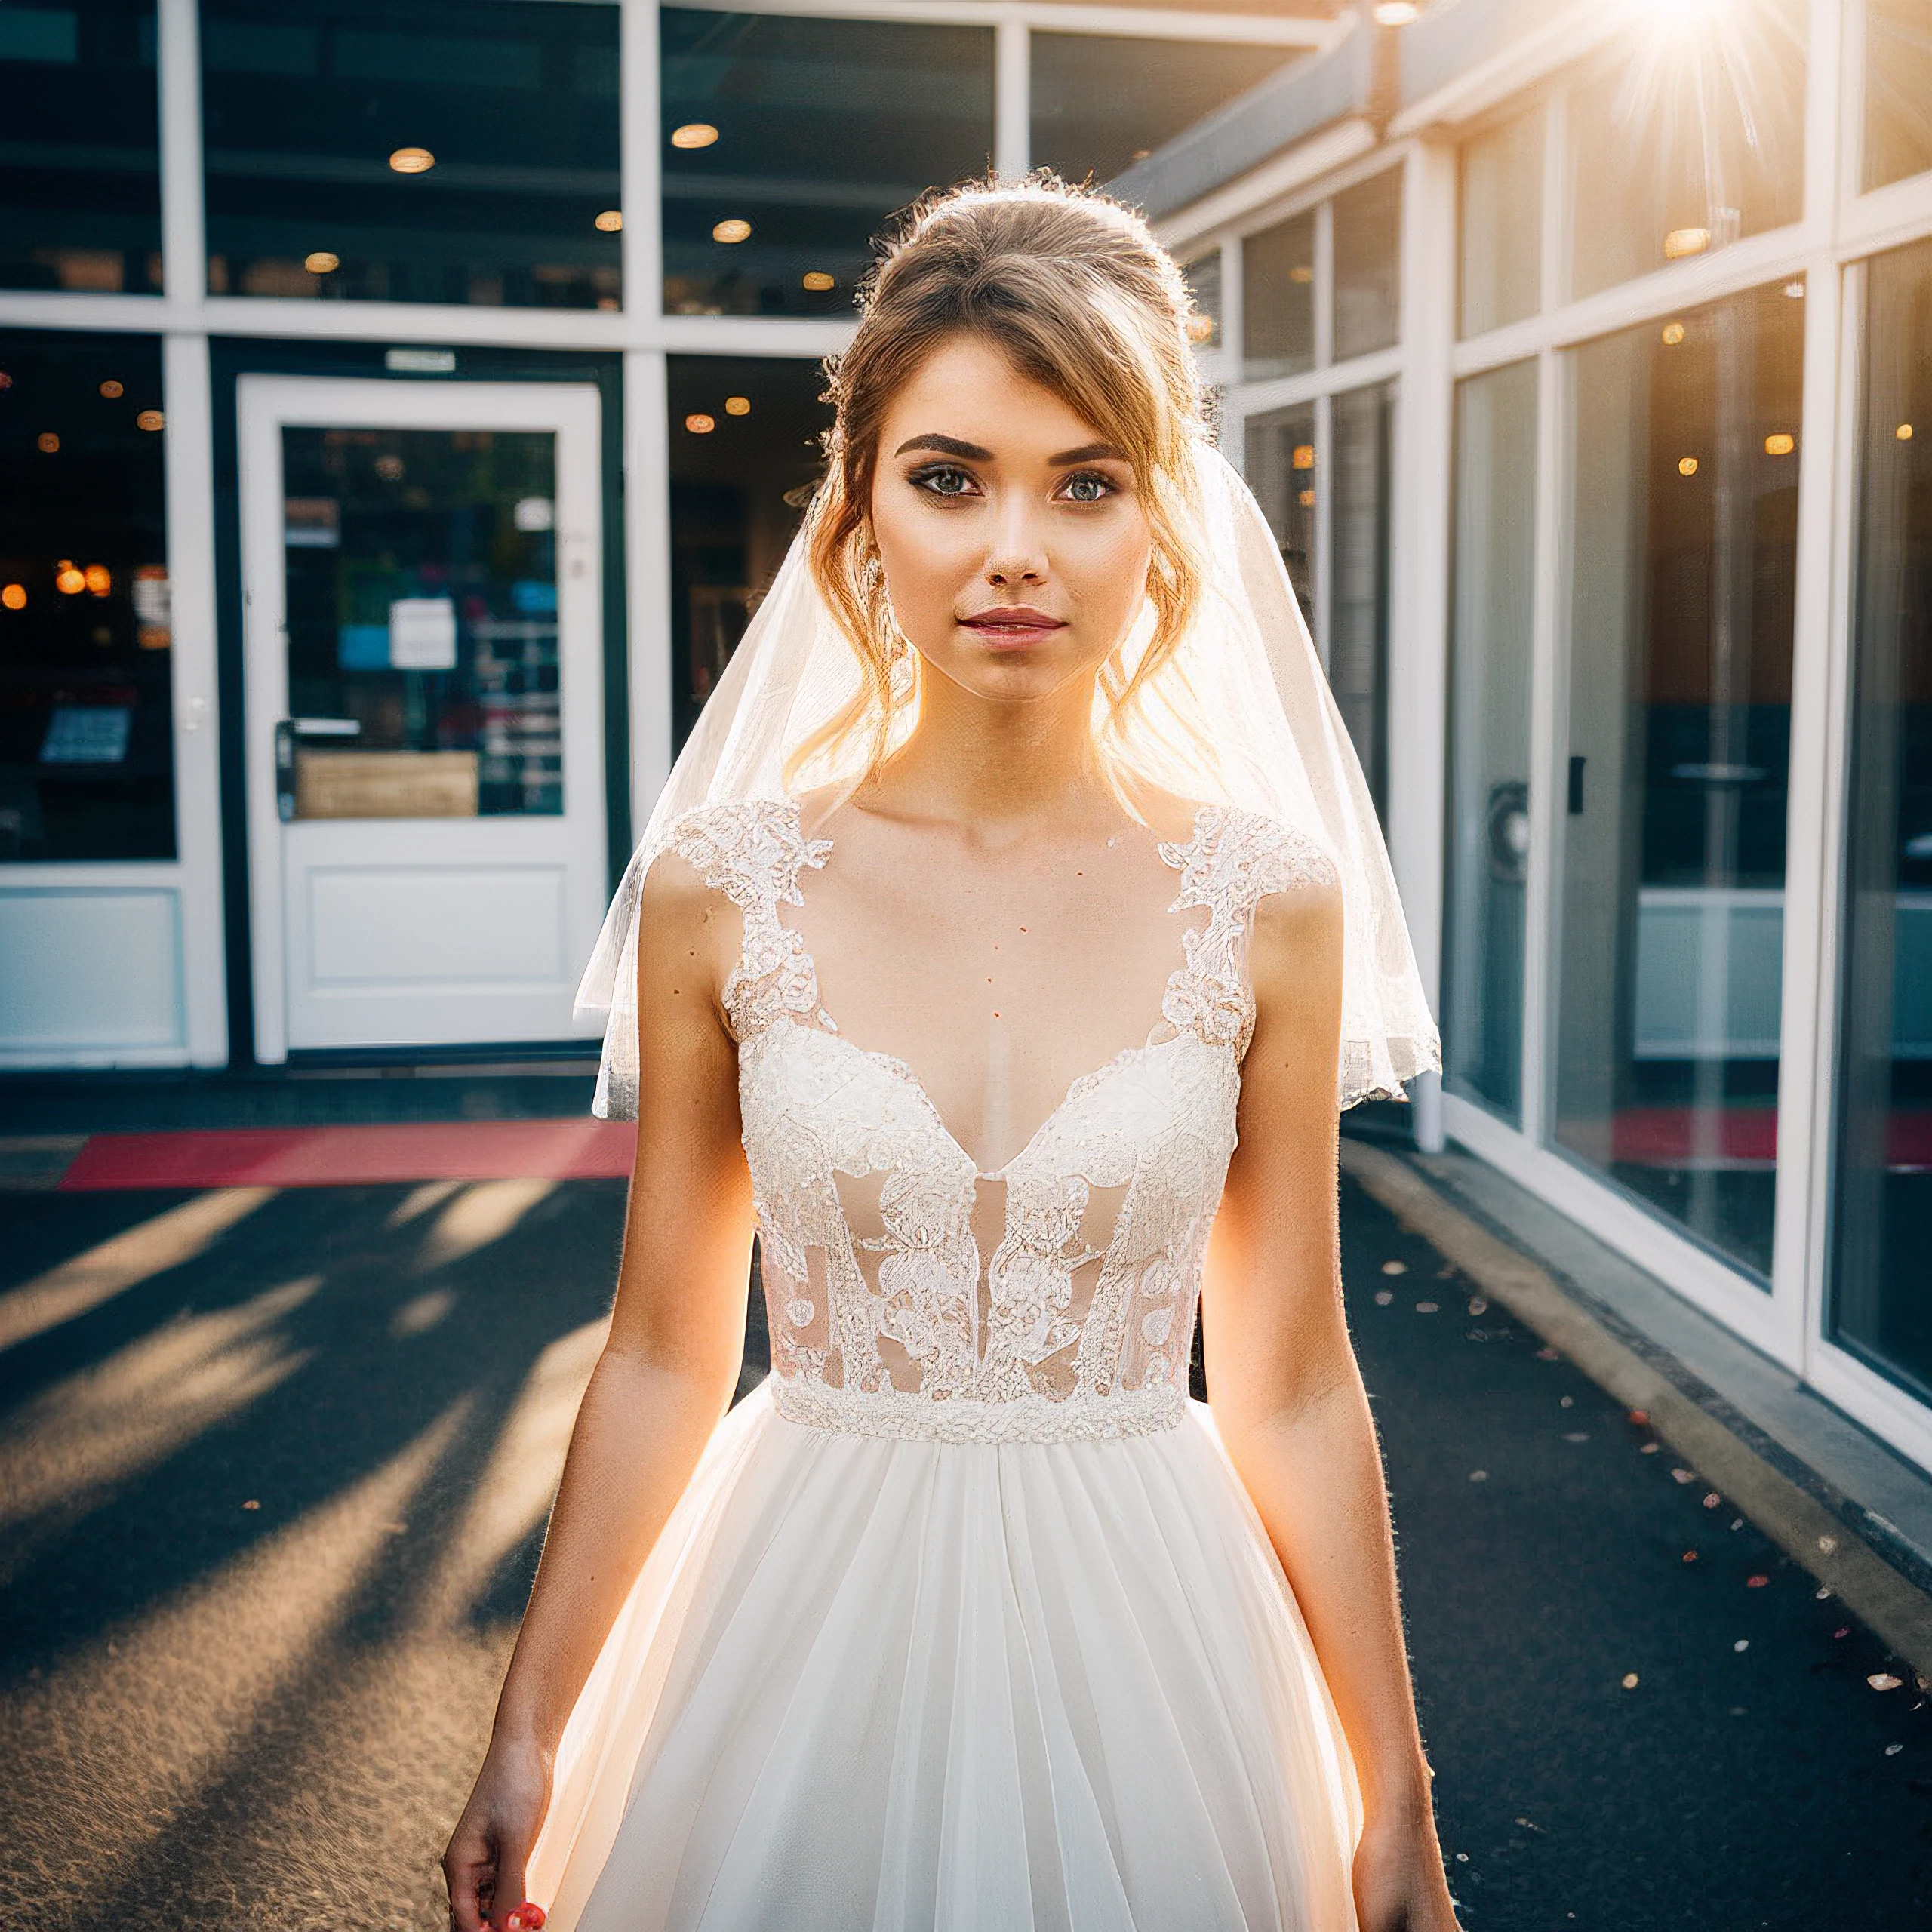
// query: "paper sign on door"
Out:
[423,634]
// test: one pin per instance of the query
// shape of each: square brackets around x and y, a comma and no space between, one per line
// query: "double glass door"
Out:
[426,793]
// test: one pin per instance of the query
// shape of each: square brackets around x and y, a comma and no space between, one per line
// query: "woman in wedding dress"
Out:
[1010,930]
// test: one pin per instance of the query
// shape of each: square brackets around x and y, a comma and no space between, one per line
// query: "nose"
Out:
[1015,555]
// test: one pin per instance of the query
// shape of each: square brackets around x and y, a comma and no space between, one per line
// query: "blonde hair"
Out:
[1075,289]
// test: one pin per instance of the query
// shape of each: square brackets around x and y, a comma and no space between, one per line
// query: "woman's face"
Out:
[1014,544]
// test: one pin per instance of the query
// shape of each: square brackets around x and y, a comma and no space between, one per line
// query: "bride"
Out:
[1007,934]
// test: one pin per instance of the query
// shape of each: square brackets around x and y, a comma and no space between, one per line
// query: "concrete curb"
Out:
[1891,1603]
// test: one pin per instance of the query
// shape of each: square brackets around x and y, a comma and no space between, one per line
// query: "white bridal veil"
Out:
[1240,714]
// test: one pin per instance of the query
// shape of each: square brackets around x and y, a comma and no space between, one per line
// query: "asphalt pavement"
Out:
[274,1466]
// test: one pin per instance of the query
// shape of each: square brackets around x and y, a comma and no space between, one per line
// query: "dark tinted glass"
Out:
[789,143]
[86,749]
[1362,424]
[80,175]
[1881,1284]
[1098,105]
[1501,203]
[1281,473]
[1368,234]
[744,456]
[318,111]
[1277,300]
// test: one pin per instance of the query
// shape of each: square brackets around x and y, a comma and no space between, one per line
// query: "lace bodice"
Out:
[885,1318]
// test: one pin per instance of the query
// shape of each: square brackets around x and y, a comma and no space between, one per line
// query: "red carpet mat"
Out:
[575,1150]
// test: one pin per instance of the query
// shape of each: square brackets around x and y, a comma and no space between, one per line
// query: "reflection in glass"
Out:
[1695,138]
[1502,223]
[1368,229]
[1098,104]
[1683,543]
[424,151]
[1898,90]
[80,173]
[789,143]
[1361,422]
[1881,1286]
[738,490]
[1203,282]
[1489,736]
[1277,300]
[421,612]
[86,742]
[1280,471]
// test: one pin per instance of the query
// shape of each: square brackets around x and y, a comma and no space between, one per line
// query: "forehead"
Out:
[968,389]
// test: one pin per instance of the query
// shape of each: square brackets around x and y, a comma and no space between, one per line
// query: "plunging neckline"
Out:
[1175,854]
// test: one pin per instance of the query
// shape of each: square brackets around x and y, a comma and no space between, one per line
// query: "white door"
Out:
[421,573]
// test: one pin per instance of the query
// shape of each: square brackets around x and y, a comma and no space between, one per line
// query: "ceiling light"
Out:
[1306,499]
[731,229]
[111,389]
[1396,13]
[1903,433]
[13,596]
[1682,241]
[1304,456]
[1780,444]
[412,161]
[150,419]
[610,221]
[1673,334]
[817,280]
[1301,272]
[700,424]
[1795,290]
[47,442]
[1686,465]
[69,581]
[737,405]
[100,578]
[1200,327]
[321,263]
[693,134]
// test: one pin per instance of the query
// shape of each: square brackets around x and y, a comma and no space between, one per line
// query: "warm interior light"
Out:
[150,419]
[1301,272]
[412,161]
[737,405]
[1396,13]
[111,389]
[693,134]
[47,442]
[1779,444]
[610,221]
[1795,290]
[321,261]
[817,280]
[699,424]
[13,596]
[1306,499]
[1200,328]
[67,580]
[1682,241]
[100,579]
[1686,465]
[1673,334]
[731,229]
[1304,456]
[1903,433]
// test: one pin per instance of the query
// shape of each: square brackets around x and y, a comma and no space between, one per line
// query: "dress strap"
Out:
[752,850]
[1234,859]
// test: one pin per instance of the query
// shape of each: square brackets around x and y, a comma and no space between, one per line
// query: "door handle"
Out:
[287,731]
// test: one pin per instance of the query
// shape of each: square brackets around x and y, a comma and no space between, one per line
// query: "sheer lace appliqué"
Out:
[885,1318]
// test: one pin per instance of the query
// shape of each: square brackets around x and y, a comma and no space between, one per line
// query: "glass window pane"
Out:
[745,455]
[80,172]
[1277,300]
[1502,224]
[1098,104]
[422,620]
[1489,736]
[1362,423]
[1368,233]
[789,143]
[1693,139]
[1683,537]
[87,746]
[1882,1289]
[1281,472]
[1204,281]
[1898,90]
[422,150]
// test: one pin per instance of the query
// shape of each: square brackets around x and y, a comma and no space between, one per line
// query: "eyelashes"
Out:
[949,482]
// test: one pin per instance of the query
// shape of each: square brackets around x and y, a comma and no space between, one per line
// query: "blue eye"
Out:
[1088,488]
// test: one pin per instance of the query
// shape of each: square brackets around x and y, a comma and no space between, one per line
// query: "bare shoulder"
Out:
[687,930]
[1296,942]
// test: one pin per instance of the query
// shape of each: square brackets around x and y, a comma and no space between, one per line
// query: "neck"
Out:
[1005,770]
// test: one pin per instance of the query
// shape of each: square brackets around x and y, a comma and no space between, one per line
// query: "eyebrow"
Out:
[973,452]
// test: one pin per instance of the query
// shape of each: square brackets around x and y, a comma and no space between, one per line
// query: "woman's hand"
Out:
[1399,1884]
[487,1850]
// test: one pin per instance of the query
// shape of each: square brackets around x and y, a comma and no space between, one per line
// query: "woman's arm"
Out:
[664,1379]
[1289,1403]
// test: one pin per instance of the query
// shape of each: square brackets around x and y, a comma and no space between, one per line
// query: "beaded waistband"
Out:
[907,1416]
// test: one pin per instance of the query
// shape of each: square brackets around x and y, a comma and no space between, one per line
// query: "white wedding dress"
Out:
[965,1623]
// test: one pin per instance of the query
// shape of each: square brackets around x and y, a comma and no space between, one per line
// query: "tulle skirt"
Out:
[887,1686]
